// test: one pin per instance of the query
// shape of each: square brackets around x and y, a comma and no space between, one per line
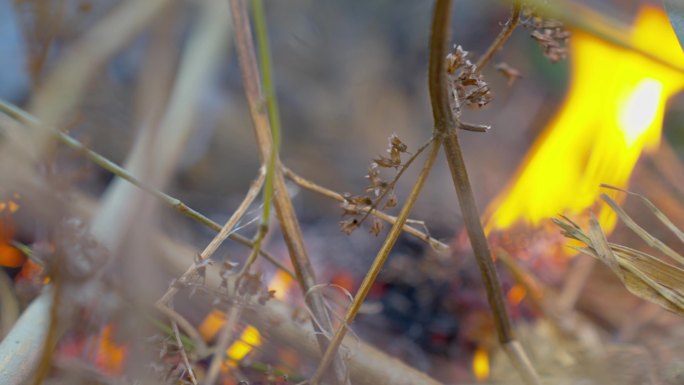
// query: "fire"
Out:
[516,294]
[110,355]
[10,256]
[481,364]
[250,336]
[613,111]
[101,349]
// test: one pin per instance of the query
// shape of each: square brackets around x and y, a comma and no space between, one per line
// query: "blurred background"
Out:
[347,76]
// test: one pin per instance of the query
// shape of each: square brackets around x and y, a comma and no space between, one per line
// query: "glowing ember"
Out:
[613,111]
[280,284]
[250,336]
[516,294]
[481,364]
[110,355]
[9,255]
[211,325]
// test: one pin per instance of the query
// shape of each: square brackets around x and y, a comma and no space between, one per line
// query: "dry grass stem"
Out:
[172,202]
[186,326]
[505,33]
[184,355]
[644,275]
[218,239]
[367,365]
[435,244]
[576,280]
[158,148]
[641,232]
[283,205]
[446,124]
[378,262]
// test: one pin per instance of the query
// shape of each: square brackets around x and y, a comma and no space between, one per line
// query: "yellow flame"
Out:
[280,284]
[249,339]
[481,364]
[613,111]
[250,336]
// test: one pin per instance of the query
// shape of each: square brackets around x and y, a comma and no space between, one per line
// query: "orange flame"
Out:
[613,111]
[111,355]
[516,294]
[10,256]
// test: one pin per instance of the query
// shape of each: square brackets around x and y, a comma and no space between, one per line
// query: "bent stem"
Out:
[379,261]
[501,38]
[446,124]
[284,208]
[219,238]
[27,119]
[302,182]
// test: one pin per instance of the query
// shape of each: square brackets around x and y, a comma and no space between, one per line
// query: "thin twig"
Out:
[501,38]
[283,205]
[379,261]
[184,324]
[577,278]
[312,186]
[25,118]
[446,124]
[184,355]
[474,127]
[158,148]
[219,238]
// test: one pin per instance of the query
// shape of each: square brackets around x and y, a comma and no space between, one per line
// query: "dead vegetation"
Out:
[111,294]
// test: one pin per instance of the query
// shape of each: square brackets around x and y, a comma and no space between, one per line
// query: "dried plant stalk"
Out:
[435,244]
[219,237]
[25,118]
[446,125]
[283,205]
[367,365]
[378,262]
[503,36]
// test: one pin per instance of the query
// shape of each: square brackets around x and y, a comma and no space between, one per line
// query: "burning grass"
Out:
[113,295]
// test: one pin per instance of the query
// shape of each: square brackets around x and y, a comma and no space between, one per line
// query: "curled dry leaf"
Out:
[643,274]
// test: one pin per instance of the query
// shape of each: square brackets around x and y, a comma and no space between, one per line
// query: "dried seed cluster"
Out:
[550,34]
[467,85]
[379,193]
